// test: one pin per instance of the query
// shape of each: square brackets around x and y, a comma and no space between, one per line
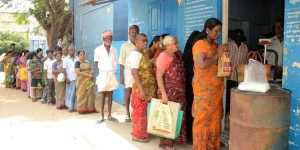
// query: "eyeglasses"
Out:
[144,40]
[108,38]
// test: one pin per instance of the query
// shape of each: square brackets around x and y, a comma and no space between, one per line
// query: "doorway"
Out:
[162,18]
[256,18]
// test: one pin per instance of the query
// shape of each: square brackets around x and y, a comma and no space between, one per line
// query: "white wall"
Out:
[255,17]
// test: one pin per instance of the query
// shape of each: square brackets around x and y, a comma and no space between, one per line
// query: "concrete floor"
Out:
[33,126]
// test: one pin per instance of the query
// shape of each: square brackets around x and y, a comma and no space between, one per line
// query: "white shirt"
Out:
[48,66]
[134,59]
[125,51]
[69,65]
[106,61]
[64,57]
[278,47]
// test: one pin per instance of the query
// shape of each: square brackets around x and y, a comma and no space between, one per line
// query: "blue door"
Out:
[162,18]
[169,17]
[154,22]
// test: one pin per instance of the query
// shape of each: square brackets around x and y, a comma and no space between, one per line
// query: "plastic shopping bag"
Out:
[252,55]
[164,118]
[255,79]
[153,114]
[10,78]
[89,83]
[224,66]
[61,77]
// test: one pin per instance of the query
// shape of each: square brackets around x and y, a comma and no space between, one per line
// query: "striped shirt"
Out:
[238,56]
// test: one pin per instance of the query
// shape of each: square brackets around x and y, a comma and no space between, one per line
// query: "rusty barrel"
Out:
[259,121]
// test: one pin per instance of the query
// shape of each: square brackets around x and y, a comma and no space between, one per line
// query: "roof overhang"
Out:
[95,2]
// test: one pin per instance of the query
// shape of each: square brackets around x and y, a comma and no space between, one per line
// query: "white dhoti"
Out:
[107,81]
[128,79]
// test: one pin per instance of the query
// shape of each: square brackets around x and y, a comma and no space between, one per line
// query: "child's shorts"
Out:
[36,82]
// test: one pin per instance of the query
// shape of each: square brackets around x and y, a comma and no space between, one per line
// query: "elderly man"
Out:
[70,75]
[125,70]
[106,58]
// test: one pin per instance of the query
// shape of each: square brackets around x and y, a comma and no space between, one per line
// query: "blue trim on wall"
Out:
[120,20]
[118,94]
[291,73]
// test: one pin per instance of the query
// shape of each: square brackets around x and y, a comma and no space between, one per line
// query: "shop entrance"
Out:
[256,18]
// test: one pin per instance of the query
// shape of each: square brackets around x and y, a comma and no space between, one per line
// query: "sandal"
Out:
[146,140]
[167,148]
[100,121]
[127,119]
[112,119]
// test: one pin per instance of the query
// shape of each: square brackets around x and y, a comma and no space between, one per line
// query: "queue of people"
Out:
[161,71]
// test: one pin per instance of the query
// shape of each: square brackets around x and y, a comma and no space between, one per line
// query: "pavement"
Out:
[32,125]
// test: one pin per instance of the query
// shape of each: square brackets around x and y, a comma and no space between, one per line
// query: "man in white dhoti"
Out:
[106,58]
[125,70]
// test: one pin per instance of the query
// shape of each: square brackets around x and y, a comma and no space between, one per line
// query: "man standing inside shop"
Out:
[238,51]
[276,45]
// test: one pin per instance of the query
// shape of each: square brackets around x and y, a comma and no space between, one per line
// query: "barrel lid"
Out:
[274,90]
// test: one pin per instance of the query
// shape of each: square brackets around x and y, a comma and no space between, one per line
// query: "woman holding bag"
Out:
[85,95]
[208,88]
[171,82]
[60,86]
[144,87]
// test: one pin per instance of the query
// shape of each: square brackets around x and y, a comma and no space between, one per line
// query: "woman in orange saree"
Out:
[208,88]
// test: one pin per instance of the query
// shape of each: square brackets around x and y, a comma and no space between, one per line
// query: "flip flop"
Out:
[127,119]
[100,121]
[112,119]
[167,148]
[140,140]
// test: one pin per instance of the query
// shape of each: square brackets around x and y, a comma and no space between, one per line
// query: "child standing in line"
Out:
[36,77]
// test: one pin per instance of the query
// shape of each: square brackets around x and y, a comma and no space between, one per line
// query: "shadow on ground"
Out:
[28,125]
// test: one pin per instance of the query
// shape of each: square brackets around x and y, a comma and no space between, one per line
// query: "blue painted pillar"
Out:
[291,71]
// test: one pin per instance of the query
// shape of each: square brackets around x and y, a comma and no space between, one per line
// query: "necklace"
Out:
[207,42]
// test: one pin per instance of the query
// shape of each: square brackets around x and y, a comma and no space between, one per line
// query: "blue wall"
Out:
[291,64]
[91,21]
[139,14]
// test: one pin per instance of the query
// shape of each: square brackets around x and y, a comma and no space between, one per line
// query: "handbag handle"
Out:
[253,53]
